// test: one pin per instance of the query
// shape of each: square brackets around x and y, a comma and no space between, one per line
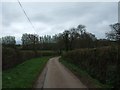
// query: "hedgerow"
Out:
[100,63]
[12,57]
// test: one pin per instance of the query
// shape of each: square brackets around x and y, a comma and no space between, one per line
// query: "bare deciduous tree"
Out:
[114,34]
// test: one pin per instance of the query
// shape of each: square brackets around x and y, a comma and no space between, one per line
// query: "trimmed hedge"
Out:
[9,57]
[12,57]
[46,53]
[100,63]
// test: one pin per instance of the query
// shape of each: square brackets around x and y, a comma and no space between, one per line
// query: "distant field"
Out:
[23,75]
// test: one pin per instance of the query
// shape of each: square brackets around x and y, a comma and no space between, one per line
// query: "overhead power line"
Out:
[26,14]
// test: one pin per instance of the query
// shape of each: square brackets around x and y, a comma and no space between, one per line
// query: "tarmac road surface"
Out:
[56,75]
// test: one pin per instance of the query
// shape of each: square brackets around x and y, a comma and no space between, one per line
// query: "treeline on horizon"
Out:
[74,38]
[34,45]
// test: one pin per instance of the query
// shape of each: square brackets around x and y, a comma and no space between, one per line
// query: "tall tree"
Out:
[29,41]
[114,34]
[8,41]
[66,37]
[81,29]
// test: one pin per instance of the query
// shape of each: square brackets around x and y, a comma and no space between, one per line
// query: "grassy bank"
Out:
[83,75]
[23,75]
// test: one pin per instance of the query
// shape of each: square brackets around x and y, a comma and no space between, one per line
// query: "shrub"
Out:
[26,55]
[100,63]
[12,57]
[9,57]
[46,53]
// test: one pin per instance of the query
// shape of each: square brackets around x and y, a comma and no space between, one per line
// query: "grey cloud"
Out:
[42,18]
[119,12]
[52,18]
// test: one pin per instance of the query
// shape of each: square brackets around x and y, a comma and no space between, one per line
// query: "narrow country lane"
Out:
[55,75]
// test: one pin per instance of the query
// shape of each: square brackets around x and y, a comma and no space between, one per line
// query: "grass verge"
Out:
[84,76]
[23,75]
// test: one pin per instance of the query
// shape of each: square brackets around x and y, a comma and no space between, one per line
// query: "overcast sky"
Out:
[55,17]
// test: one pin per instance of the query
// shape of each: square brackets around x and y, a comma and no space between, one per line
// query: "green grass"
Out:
[84,76]
[23,75]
